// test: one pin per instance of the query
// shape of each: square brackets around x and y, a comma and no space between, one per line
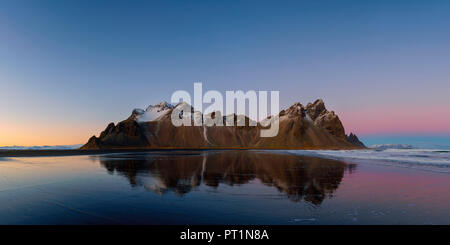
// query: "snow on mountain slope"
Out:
[152,112]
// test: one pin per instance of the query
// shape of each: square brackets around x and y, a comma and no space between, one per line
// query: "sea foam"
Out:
[429,159]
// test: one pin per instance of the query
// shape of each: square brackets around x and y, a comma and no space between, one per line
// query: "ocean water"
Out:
[424,159]
[41,147]
[221,187]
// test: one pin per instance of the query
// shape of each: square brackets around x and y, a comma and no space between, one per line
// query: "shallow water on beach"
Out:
[436,160]
[217,187]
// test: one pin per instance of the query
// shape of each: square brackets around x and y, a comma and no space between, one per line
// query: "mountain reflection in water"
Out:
[298,177]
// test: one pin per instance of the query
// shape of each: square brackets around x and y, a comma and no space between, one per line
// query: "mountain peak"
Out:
[352,138]
[316,109]
[159,107]
[152,112]
[294,110]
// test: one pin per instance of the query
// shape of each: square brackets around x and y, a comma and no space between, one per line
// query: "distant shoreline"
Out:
[75,152]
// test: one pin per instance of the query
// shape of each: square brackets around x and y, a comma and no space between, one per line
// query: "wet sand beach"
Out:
[215,187]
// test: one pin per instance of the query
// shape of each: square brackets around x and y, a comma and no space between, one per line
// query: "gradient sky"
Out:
[67,68]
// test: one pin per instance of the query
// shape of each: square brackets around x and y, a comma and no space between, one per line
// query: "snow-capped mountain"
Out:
[153,112]
[300,127]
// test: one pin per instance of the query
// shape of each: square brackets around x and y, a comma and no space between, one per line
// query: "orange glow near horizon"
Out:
[45,134]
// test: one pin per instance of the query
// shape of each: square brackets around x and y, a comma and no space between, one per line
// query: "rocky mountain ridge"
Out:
[300,127]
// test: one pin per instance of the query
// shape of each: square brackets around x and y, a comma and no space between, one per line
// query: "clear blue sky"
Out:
[86,63]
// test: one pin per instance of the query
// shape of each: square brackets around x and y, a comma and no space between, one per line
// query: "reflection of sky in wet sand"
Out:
[228,187]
